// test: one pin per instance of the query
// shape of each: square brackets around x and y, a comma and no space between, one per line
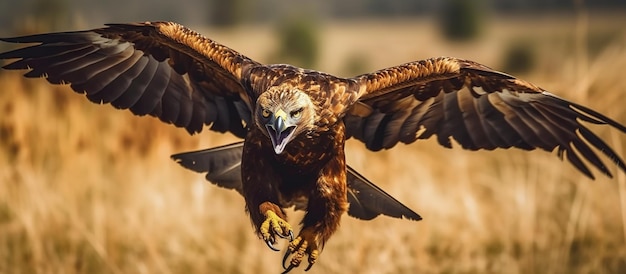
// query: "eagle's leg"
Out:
[262,203]
[326,205]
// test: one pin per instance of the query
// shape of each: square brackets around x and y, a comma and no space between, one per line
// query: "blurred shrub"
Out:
[50,15]
[462,20]
[520,56]
[227,13]
[298,42]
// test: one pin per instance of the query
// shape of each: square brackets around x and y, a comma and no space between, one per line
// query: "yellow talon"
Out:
[274,225]
[302,246]
[295,243]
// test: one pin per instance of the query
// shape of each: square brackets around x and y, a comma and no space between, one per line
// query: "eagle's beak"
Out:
[280,133]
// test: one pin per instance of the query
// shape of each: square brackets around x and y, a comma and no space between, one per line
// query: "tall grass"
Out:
[90,189]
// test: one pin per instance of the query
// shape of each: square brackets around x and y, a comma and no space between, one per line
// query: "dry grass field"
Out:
[90,189]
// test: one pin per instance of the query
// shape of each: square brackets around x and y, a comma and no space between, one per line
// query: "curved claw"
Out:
[288,269]
[271,246]
[284,236]
[308,266]
[287,254]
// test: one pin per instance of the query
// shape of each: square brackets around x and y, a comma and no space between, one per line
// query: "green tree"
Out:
[298,42]
[462,20]
[225,13]
[51,15]
[519,57]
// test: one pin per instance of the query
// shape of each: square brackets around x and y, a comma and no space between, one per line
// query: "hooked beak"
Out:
[279,132]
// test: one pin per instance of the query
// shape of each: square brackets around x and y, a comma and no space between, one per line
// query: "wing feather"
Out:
[432,120]
[455,124]
[368,201]
[493,123]
[470,119]
[411,126]
[84,68]
[540,134]
[602,146]
[477,107]
[157,68]
[150,101]
[127,70]
[392,130]
[45,55]
[138,86]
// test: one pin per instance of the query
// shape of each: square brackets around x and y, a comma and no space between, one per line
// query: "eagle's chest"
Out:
[306,153]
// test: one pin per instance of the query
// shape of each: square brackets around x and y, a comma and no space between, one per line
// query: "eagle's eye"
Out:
[296,113]
[266,113]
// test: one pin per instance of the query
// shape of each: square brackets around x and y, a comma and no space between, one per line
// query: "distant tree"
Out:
[298,42]
[225,13]
[51,15]
[462,20]
[520,56]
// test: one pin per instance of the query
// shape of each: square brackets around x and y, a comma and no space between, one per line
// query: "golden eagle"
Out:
[294,121]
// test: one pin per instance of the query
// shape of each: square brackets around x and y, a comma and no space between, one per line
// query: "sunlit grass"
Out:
[90,189]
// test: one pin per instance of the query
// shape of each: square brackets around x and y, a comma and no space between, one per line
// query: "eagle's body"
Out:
[300,176]
[295,122]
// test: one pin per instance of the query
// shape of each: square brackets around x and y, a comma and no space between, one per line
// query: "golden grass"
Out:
[89,189]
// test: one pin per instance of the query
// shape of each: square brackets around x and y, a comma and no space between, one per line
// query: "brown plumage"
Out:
[295,122]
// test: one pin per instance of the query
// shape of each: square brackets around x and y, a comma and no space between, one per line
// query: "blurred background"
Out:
[90,189]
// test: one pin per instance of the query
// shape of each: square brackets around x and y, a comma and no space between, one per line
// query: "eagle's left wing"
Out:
[479,107]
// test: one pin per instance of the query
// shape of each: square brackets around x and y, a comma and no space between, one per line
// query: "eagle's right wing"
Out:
[157,68]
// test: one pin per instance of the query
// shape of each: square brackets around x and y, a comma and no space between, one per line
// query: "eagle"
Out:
[294,122]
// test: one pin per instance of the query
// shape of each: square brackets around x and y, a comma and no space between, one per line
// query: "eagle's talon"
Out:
[302,246]
[274,226]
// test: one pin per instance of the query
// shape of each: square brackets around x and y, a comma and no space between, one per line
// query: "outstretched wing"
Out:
[223,168]
[157,68]
[479,107]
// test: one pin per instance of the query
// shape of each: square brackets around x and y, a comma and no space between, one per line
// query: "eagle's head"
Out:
[282,113]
